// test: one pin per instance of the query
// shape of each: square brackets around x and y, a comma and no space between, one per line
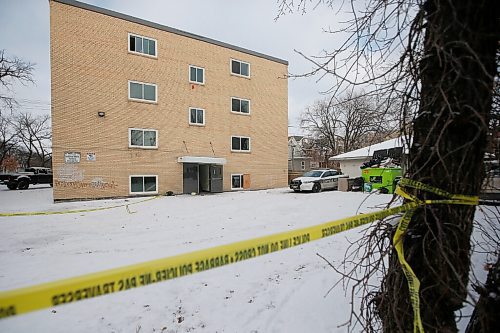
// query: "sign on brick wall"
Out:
[71,157]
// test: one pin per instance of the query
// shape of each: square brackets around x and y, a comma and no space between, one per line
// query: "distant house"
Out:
[351,161]
[298,159]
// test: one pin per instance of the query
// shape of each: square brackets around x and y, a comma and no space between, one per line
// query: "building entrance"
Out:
[202,174]
[202,178]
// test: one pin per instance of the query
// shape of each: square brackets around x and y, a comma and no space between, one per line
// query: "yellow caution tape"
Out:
[74,211]
[70,290]
[458,199]
[413,281]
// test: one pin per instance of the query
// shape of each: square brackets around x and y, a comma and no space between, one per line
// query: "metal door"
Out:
[216,178]
[190,178]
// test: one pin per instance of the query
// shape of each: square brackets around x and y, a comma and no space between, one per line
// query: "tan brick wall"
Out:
[91,67]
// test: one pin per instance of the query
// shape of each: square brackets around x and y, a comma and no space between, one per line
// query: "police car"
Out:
[317,180]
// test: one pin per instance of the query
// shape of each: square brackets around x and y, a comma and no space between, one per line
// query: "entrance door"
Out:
[204,177]
[215,178]
[190,178]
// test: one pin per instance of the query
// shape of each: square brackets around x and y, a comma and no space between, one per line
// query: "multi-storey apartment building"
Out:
[140,108]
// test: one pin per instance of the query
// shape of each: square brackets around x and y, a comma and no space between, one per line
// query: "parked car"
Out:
[317,180]
[22,180]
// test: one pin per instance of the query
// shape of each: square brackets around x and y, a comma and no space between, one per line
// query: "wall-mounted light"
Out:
[101,114]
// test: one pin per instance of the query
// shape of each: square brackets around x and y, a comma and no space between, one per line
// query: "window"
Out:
[196,74]
[240,143]
[196,116]
[240,68]
[143,184]
[142,45]
[303,165]
[313,174]
[142,138]
[236,182]
[139,91]
[240,105]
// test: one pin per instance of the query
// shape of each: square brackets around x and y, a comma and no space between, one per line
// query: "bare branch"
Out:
[13,70]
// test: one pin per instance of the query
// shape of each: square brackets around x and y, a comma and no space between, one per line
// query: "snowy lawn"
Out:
[280,292]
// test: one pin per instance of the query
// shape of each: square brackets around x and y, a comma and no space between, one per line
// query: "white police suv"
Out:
[317,180]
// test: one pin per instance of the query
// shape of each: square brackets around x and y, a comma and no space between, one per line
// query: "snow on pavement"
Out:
[280,292]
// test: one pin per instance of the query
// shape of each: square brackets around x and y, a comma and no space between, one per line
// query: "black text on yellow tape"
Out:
[55,293]
[413,281]
[411,278]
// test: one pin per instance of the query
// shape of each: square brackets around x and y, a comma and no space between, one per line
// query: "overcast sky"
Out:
[251,24]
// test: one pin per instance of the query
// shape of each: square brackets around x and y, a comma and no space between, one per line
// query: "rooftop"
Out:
[166,28]
[368,151]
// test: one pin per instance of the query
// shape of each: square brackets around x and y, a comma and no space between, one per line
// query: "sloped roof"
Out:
[296,137]
[368,151]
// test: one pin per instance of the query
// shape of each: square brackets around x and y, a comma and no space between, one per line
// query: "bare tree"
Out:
[364,121]
[8,137]
[444,73]
[13,70]
[322,123]
[349,122]
[34,135]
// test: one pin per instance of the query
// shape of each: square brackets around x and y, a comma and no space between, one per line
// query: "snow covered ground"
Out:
[280,292]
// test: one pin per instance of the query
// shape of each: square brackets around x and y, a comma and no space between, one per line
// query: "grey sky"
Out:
[248,24]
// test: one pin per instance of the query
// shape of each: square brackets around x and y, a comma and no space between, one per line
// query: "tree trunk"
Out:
[485,317]
[449,142]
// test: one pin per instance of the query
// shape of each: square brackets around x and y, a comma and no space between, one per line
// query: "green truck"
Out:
[382,179]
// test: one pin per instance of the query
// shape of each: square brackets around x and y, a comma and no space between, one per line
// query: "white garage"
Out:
[351,161]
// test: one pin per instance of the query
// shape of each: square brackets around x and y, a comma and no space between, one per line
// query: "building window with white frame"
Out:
[303,165]
[237,181]
[240,68]
[196,74]
[143,138]
[240,105]
[143,184]
[143,92]
[196,116]
[142,45]
[240,144]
